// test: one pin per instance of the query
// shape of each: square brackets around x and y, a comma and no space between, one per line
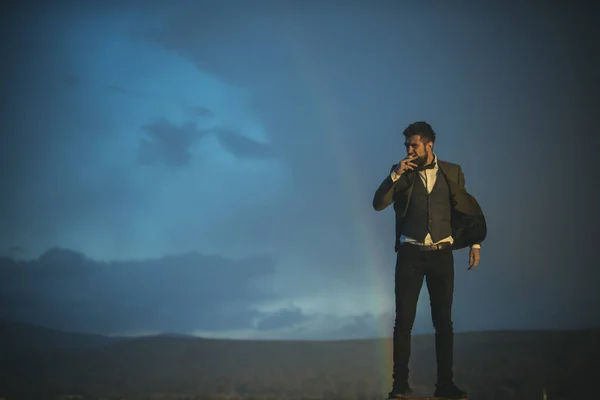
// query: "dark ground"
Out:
[40,363]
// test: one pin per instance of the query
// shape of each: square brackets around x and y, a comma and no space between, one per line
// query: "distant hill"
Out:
[499,365]
[19,336]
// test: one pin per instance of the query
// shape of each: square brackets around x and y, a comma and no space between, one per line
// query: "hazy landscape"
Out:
[187,196]
[43,363]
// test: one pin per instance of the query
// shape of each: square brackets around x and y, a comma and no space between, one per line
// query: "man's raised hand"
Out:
[406,165]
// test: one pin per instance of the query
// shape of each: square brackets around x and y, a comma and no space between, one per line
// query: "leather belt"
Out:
[439,246]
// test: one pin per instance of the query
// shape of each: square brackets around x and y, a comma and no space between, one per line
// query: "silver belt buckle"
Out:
[433,247]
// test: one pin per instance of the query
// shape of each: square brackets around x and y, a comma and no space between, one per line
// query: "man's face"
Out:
[416,147]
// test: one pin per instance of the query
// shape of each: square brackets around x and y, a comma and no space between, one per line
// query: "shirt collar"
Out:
[435,160]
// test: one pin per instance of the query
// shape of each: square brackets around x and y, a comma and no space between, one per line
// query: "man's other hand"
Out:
[474,258]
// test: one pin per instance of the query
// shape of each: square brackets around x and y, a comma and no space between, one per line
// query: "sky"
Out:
[208,167]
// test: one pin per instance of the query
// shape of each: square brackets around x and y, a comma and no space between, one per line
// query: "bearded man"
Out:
[434,216]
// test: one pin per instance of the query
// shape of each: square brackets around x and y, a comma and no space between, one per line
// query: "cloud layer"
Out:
[172,294]
[211,296]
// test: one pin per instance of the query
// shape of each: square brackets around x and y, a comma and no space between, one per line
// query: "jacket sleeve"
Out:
[461,184]
[385,193]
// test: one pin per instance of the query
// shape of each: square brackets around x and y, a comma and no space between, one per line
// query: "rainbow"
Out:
[362,212]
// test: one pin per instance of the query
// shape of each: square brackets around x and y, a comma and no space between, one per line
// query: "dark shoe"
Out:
[396,394]
[449,391]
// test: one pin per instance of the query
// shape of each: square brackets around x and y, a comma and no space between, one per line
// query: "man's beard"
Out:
[420,161]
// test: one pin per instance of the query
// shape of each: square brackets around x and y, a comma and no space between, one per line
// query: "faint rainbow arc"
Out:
[347,170]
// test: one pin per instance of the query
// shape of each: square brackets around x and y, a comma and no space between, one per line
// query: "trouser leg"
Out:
[440,285]
[408,283]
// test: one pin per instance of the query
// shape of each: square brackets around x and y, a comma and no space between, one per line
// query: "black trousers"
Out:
[437,268]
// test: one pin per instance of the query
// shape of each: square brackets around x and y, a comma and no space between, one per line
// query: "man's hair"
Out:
[422,129]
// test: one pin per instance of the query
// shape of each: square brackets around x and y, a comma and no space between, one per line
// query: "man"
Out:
[434,216]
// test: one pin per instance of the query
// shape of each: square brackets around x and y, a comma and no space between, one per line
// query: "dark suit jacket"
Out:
[468,222]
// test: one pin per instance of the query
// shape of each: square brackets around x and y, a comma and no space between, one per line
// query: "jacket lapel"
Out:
[451,175]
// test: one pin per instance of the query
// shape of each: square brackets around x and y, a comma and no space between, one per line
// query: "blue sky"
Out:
[214,165]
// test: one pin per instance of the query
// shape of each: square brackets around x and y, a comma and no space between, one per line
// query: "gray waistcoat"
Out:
[429,212]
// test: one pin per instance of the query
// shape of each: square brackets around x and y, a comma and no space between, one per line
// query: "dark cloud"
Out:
[120,90]
[360,326]
[199,111]
[14,252]
[242,146]
[168,143]
[283,318]
[67,290]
